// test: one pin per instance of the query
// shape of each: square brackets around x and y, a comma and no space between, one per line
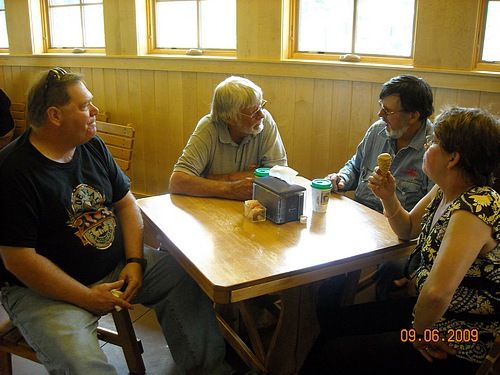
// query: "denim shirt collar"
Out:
[418,140]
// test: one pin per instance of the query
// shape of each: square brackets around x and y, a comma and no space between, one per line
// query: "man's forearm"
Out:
[182,183]
[235,176]
[42,275]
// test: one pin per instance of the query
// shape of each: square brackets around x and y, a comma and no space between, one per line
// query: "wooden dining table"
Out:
[236,261]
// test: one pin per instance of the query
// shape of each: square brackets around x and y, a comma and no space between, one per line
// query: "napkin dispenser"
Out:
[283,202]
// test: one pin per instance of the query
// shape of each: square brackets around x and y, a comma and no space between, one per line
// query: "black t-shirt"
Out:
[63,210]
[6,120]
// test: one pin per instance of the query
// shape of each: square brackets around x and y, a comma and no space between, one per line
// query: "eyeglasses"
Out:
[430,140]
[385,111]
[54,74]
[256,112]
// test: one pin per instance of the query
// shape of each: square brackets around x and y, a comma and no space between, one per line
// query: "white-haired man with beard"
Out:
[227,145]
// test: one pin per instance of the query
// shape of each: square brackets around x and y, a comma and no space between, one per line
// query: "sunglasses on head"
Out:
[53,75]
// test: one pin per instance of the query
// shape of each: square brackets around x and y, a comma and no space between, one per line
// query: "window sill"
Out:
[477,80]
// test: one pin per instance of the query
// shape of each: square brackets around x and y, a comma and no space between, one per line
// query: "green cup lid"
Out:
[261,172]
[321,183]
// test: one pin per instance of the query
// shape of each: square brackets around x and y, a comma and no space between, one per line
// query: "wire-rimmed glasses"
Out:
[385,110]
[255,113]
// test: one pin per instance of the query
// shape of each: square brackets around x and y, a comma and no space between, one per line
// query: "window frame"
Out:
[151,38]
[327,56]
[44,6]
[5,50]
[481,64]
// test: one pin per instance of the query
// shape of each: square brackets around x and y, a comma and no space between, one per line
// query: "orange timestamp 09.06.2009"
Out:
[434,335]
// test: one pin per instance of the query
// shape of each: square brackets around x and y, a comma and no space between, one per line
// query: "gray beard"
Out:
[258,130]
[396,134]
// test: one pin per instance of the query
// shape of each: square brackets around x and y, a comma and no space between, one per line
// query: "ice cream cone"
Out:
[384,161]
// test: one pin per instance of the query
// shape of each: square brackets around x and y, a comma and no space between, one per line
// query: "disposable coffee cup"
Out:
[320,189]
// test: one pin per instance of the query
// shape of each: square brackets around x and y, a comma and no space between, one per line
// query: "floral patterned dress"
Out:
[476,302]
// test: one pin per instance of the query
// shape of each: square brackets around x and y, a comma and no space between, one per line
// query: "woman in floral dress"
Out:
[455,265]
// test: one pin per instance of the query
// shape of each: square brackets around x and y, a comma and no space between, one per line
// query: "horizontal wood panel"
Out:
[321,120]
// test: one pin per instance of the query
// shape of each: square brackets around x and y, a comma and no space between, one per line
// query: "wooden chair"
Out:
[12,342]
[491,364]
[119,140]
[18,111]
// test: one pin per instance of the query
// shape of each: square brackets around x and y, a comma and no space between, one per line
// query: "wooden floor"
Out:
[156,355]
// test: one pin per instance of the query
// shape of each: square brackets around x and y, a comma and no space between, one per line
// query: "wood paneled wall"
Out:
[321,120]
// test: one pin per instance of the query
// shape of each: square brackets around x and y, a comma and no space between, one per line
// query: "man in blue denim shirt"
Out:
[405,105]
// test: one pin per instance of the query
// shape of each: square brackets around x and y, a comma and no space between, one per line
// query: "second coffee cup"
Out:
[320,189]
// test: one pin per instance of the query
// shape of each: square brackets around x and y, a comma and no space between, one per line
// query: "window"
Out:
[491,41]
[179,26]
[73,24]
[4,40]
[382,28]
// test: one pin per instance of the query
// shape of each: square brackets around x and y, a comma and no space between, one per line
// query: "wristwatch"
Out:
[143,262]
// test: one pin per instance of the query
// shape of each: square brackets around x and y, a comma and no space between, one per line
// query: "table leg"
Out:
[350,288]
[296,331]
[294,335]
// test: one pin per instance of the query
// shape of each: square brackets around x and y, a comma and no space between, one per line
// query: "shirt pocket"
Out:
[409,192]
[365,174]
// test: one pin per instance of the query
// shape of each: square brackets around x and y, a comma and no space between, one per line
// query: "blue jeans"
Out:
[65,336]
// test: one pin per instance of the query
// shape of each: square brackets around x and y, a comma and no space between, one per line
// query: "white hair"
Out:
[231,96]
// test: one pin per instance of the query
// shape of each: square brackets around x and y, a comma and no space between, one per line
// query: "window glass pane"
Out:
[63,2]
[325,25]
[214,33]
[491,47]
[93,26]
[65,27]
[92,1]
[4,41]
[2,5]
[176,24]
[384,27]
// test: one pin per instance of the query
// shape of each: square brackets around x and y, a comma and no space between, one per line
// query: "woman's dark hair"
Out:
[414,93]
[475,134]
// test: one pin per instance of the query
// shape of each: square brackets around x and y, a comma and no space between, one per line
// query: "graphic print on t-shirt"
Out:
[95,223]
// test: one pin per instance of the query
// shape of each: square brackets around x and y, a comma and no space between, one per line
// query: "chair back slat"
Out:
[115,129]
[116,140]
[18,111]
[102,116]
[120,153]
[119,140]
